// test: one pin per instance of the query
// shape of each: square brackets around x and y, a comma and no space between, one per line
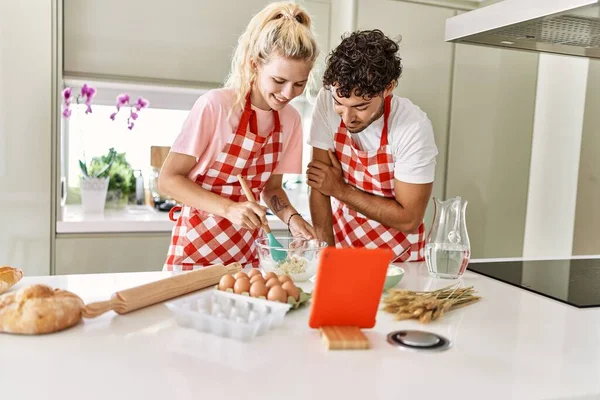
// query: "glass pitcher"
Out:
[447,248]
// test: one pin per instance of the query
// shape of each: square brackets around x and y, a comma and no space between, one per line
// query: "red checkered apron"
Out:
[371,172]
[199,238]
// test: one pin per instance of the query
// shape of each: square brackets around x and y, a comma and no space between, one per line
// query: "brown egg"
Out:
[257,278]
[273,282]
[258,289]
[226,282]
[253,272]
[284,278]
[241,285]
[270,275]
[276,293]
[291,290]
[241,274]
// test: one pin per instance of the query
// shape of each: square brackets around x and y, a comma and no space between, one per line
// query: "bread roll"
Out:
[8,277]
[38,309]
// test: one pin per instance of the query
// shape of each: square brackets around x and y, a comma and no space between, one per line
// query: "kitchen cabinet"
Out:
[489,147]
[102,253]
[26,76]
[114,252]
[427,63]
[191,41]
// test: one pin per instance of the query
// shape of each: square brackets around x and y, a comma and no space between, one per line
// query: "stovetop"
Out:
[572,281]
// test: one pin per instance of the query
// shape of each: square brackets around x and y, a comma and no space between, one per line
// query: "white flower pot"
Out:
[93,194]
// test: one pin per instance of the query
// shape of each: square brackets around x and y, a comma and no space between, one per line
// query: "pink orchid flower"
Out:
[86,96]
[123,100]
[88,92]
[141,103]
[66,94]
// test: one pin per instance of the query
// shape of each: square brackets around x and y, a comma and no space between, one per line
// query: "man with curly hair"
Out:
[373,162]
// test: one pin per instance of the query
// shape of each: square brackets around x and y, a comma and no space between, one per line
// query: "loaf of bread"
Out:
[8,277]
[38,309]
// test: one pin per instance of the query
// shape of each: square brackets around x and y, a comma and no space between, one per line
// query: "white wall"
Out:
[587,216]
[489,146]
[25,134]
[556,148]
[343,19]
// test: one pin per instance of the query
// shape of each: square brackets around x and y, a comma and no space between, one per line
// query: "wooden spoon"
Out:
[277,255]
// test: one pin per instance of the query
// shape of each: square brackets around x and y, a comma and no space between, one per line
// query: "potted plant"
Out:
[121,184]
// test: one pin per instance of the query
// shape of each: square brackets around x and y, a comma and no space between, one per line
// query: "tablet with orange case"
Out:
[348,287]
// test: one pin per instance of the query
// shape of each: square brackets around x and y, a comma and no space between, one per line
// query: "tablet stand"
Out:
[344,338]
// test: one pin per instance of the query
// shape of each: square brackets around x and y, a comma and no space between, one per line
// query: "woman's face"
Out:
[279,81]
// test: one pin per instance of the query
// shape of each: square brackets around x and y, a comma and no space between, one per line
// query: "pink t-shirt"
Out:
[207,130]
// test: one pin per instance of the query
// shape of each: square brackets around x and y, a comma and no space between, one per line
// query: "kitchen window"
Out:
[94,134]
[158,125]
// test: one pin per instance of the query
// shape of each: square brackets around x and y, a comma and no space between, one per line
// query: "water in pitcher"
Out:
[446,260]
[447,248]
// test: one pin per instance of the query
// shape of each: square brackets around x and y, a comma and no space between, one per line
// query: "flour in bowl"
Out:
[294,265]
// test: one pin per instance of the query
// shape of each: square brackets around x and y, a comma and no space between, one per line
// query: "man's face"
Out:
[358,112]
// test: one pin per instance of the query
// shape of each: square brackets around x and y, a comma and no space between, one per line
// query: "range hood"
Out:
[570,27]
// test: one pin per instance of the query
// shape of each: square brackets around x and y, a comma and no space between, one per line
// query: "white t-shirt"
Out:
[410,135]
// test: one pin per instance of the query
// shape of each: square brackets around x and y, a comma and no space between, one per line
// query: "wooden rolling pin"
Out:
[125,301]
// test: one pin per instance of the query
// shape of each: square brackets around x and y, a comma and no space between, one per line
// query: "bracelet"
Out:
[290,218]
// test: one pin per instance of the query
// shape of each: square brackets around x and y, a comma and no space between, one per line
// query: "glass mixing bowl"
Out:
[301,257]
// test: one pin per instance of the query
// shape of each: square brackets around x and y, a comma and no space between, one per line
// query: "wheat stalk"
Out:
[428,306]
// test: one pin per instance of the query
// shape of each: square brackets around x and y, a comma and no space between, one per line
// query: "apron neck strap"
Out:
[249,117]
[387,106]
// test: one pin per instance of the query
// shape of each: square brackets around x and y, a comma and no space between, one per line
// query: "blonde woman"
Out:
[244,128]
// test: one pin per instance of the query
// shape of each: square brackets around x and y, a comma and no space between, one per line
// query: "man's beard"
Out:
[375,118]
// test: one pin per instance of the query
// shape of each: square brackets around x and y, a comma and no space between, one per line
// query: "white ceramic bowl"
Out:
[393,277]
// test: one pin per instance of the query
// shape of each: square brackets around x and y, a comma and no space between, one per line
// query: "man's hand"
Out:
[327,179]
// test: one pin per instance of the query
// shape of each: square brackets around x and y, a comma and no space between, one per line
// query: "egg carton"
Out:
[228,314]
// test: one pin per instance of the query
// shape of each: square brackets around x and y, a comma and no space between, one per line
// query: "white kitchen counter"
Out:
[128,219]
[513,344]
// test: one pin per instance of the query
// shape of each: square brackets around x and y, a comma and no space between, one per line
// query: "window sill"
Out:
[128,219]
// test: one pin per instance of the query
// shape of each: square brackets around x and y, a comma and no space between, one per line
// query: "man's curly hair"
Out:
[363,64]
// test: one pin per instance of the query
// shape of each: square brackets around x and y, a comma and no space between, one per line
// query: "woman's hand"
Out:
[246,214]
[300,228]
